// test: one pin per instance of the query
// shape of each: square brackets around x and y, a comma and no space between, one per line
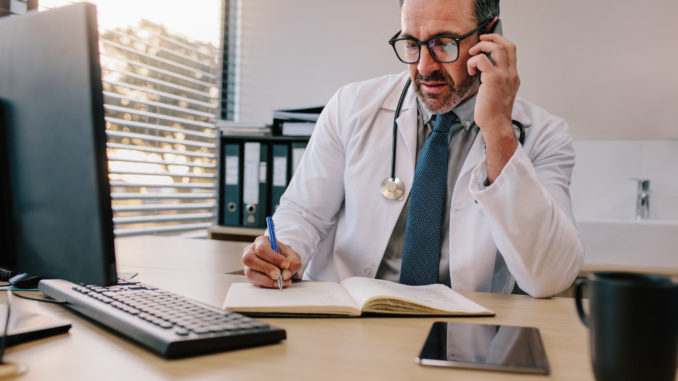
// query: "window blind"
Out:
[161,100]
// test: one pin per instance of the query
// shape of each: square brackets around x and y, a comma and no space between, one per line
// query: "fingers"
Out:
[496,44]
[262,247]
[503,53]
[262,264]
[480,62]
[261,280]
[292,258]
[498,54]
[500,82]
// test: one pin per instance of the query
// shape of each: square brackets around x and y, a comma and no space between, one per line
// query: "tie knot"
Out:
[444,122]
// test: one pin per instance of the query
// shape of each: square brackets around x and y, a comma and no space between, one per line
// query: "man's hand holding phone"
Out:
[496,95]
[263,264]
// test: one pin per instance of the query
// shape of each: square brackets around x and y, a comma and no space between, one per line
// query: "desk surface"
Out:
[358,348]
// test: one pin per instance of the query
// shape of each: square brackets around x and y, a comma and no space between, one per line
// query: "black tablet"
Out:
[483,346]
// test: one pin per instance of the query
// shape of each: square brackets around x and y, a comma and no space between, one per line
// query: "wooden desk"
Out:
[316,349]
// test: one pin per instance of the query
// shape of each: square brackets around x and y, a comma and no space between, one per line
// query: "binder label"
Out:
[262,172]
[279,171]
[251,174]
[231,170]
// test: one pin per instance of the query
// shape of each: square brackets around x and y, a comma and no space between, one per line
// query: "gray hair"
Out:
[484,9]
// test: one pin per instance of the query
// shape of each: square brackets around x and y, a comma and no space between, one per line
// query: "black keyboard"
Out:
[166,323]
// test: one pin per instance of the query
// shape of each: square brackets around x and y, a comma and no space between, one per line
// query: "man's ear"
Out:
[494,26]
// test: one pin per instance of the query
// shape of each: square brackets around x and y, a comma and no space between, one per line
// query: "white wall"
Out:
[297,53]
[602,185]
[607,66]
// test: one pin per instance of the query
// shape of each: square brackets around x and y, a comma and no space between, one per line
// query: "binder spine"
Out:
[255,172]
[250,195]
[279,173]
[263,208]
[232,180]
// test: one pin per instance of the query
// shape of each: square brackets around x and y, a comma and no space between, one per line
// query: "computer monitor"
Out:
[56,208]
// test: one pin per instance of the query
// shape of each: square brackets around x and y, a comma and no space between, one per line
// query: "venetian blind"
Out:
[161,101]
[161,98]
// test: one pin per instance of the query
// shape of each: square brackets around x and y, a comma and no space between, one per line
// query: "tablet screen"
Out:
[483,346]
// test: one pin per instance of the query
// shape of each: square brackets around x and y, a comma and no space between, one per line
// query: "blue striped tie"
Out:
[421,247]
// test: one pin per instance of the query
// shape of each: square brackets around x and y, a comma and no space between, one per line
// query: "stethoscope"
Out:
[392,187]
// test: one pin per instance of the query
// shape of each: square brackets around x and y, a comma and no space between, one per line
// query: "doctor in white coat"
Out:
[510,215]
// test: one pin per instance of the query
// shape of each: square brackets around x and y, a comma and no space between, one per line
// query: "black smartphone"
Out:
[495,29]
[484,346]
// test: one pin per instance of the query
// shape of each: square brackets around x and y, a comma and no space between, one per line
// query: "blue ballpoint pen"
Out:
[274,245]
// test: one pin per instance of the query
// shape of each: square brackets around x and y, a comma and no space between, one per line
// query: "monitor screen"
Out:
[56,198]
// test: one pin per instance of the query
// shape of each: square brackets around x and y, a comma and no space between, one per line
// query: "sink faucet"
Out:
[643,200]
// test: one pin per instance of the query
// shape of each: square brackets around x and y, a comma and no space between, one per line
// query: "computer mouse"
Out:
[25,280]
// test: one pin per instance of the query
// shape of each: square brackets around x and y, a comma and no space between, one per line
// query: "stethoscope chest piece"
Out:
[393,188]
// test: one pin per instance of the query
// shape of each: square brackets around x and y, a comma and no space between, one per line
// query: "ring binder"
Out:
[231,180]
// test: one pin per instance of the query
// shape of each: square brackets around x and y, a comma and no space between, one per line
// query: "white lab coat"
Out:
[520,228]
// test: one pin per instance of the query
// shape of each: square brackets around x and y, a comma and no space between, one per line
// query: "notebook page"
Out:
[300,297]
[425,299]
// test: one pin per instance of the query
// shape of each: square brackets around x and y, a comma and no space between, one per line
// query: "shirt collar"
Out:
[464,112]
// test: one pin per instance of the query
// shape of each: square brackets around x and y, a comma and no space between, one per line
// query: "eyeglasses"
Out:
[444,49]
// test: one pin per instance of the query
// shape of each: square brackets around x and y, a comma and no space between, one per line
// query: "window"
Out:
[161,75]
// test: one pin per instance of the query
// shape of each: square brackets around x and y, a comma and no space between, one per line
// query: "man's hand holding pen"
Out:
[263,264]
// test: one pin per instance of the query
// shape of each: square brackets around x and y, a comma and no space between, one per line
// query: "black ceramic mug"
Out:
[633,325]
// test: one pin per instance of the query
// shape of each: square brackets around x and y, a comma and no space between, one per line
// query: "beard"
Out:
[442,103]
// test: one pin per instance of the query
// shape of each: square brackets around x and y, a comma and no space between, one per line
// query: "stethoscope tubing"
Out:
[393,178]
[395,126]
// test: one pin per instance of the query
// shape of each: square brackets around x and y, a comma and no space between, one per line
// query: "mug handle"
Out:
[578,294]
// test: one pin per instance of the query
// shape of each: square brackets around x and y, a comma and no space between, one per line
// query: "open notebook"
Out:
[352,297]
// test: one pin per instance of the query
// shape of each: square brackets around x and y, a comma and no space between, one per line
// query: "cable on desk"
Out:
[10,287]
[38,299]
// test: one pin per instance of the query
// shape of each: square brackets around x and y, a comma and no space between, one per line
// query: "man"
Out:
[480,213]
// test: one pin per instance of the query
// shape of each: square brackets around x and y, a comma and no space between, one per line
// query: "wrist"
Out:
[500,145]
[500,134]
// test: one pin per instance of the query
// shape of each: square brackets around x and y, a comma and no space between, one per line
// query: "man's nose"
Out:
[427,64]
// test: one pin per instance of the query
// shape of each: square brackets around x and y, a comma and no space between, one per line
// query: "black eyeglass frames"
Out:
[444,49]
